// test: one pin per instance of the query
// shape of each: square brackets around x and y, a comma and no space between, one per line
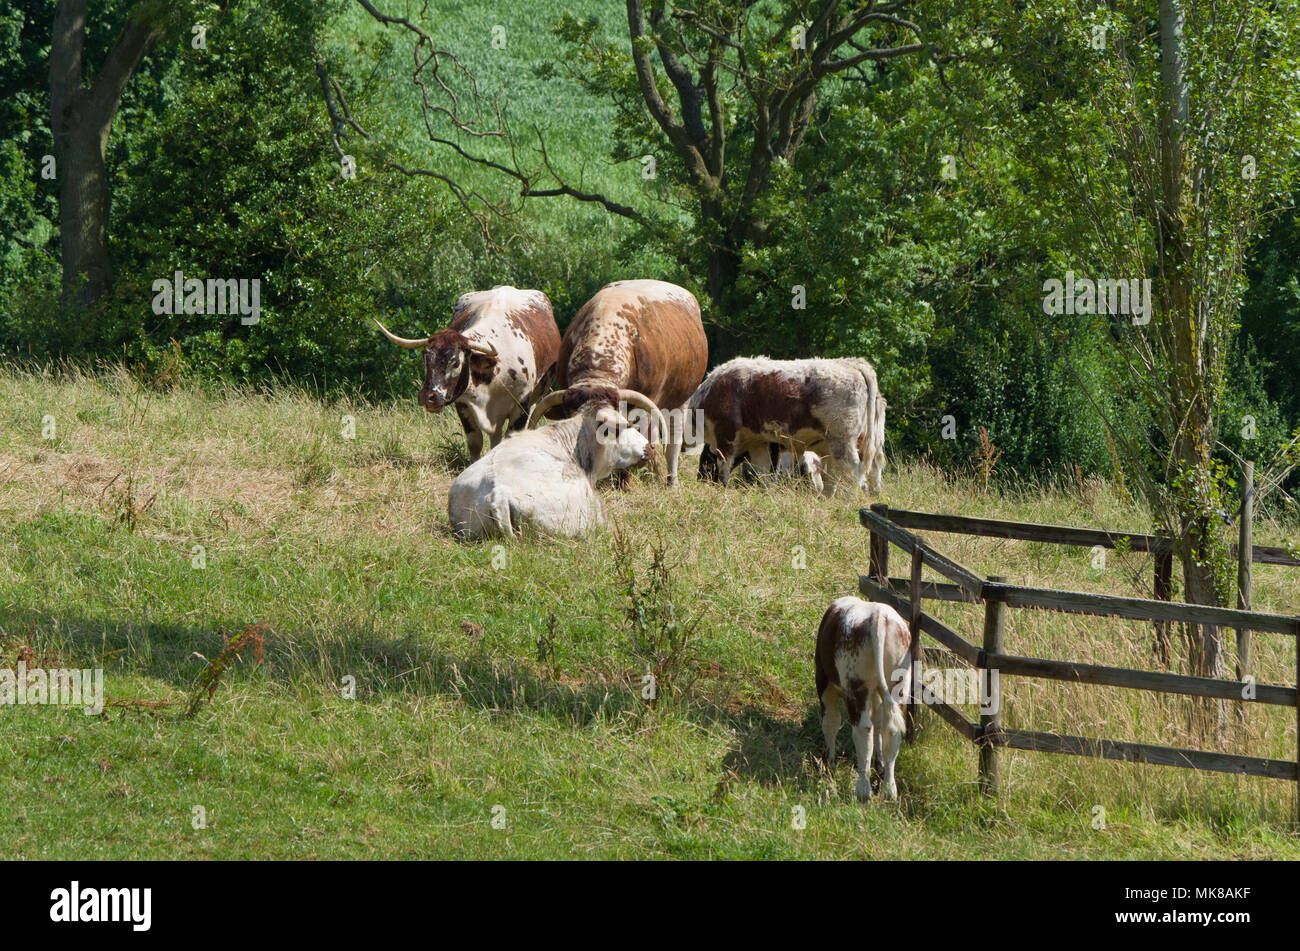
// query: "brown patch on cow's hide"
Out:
[537,325]
[577,397]
[828,638]
[768,403]
[482,368]
[446,339]
[904,635]
[719,406]
[855,699]
[644,336]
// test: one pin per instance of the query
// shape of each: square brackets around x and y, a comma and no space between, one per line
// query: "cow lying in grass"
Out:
[858,644]
[544,479]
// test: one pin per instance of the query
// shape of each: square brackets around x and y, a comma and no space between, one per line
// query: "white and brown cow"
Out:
[544,480]
[492,361]
[830,407]
[862,656]
[640,343]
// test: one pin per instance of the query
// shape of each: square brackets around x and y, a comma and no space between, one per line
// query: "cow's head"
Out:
[451,362]
[589,398]
[609,442]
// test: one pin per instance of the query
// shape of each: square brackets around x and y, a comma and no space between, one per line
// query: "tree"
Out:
[726,91]
[1173,129]
[81,118]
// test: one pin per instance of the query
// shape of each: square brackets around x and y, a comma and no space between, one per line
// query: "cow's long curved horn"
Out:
[481,346]
[633,398]
[542,406]
[406,342]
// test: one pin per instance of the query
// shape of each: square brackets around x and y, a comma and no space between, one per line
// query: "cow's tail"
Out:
[872,451]
[893,710]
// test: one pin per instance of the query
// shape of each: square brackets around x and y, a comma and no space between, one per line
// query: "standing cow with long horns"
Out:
[636,343]
[492,361]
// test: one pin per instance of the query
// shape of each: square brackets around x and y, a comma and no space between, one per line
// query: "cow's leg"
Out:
[876,467]
[499,433]
[760,457]
[863,742]
[676,427]
[830,703]
[890,727]
[473,435]
[855,700]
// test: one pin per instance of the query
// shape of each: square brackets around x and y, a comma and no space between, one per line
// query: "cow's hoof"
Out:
[863,790]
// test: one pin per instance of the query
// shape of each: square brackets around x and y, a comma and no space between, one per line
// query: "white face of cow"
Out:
[619,444]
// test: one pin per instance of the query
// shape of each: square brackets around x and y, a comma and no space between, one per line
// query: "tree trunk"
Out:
[80,119]
[723,268]
[83,218]
[1191,415]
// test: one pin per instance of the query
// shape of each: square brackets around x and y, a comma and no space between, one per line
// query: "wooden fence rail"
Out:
[965,586]
[1063,535]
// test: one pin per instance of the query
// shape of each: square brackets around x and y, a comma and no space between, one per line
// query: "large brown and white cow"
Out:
[830,407]
[492,361]
[862,656]
[638,343]
[544,480]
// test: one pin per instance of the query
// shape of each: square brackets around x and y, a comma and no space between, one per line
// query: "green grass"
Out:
[340,548]
[575,126]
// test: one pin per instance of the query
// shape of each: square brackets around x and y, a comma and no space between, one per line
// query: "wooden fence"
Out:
[890,527]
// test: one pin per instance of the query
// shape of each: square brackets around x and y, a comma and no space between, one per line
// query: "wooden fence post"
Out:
[994,626]
[1245,555]
[1164,587]
[914,626]
[879,548]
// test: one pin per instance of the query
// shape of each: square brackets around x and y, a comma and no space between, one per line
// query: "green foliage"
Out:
[222,167]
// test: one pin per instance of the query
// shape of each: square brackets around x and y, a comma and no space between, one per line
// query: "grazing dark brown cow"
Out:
[831,407]
[862,656]
[492,361]
[640,343]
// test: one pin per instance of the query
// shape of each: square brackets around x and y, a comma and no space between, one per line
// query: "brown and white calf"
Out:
[831,407]
[492,361]
[640,343]
[862,656]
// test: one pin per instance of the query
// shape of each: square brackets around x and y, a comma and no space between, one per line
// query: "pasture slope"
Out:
[468,697]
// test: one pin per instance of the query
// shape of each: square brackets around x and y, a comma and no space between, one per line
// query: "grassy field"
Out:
[500,46]
[504,681]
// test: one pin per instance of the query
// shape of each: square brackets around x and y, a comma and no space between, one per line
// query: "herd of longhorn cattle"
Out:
[636,352]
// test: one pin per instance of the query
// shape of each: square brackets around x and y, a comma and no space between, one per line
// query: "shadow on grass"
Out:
[768,749]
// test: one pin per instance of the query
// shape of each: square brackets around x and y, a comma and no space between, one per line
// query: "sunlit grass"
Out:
[340,547]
